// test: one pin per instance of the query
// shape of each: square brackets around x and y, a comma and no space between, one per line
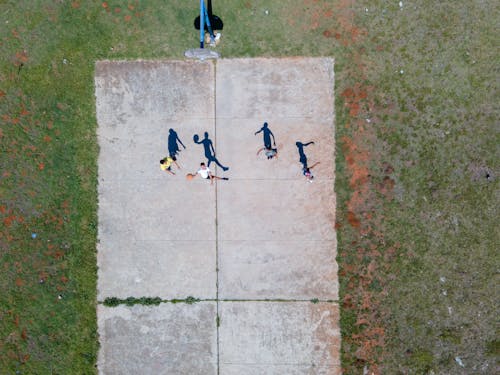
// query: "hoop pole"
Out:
[202,22]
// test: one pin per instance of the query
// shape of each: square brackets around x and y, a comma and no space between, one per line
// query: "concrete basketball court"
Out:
[255,249]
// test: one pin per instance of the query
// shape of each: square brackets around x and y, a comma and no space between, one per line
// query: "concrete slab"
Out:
[165,269]
[156,231]
[133,149]
[278,338]
[164,339]
[276,236]
[277,210]
[288,87]
[153,89]
[287,270]
[160,209]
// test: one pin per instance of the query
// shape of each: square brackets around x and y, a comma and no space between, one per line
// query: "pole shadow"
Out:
[173,143]
[209,149]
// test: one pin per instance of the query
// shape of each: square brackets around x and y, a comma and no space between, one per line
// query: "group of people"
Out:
[204,170]
[271,152]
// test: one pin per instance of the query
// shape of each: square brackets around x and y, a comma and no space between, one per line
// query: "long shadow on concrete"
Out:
[173,143]
[209,149]
[267,134]
[302,155]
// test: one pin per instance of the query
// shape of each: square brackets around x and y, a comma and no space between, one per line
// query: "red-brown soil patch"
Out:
[364,255]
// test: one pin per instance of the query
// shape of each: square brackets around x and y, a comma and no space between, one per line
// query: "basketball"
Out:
[196,137]
[189,176]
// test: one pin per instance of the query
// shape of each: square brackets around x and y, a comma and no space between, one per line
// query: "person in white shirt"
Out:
[205,173]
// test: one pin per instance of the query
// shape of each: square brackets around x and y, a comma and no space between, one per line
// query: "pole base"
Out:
[201,54]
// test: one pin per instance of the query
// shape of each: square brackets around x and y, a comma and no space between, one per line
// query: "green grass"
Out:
[48,164]
[442,145]
[146,301]
[426,232]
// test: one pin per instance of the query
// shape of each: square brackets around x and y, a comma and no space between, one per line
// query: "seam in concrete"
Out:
[192,300]
[311,300]
[301,178]
[229,240]
[290,241]
[274,118]
[216,225]
[298,178]
[276,364]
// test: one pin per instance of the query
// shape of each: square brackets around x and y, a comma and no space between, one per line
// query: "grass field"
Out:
[417,168]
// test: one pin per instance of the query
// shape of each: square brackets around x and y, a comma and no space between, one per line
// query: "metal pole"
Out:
[202,22]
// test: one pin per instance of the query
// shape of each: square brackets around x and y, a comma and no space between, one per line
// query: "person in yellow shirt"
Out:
[166,164]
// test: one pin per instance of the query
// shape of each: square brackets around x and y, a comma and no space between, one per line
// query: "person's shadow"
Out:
[302,155]
[267,134]
[208,146]
[173,143]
